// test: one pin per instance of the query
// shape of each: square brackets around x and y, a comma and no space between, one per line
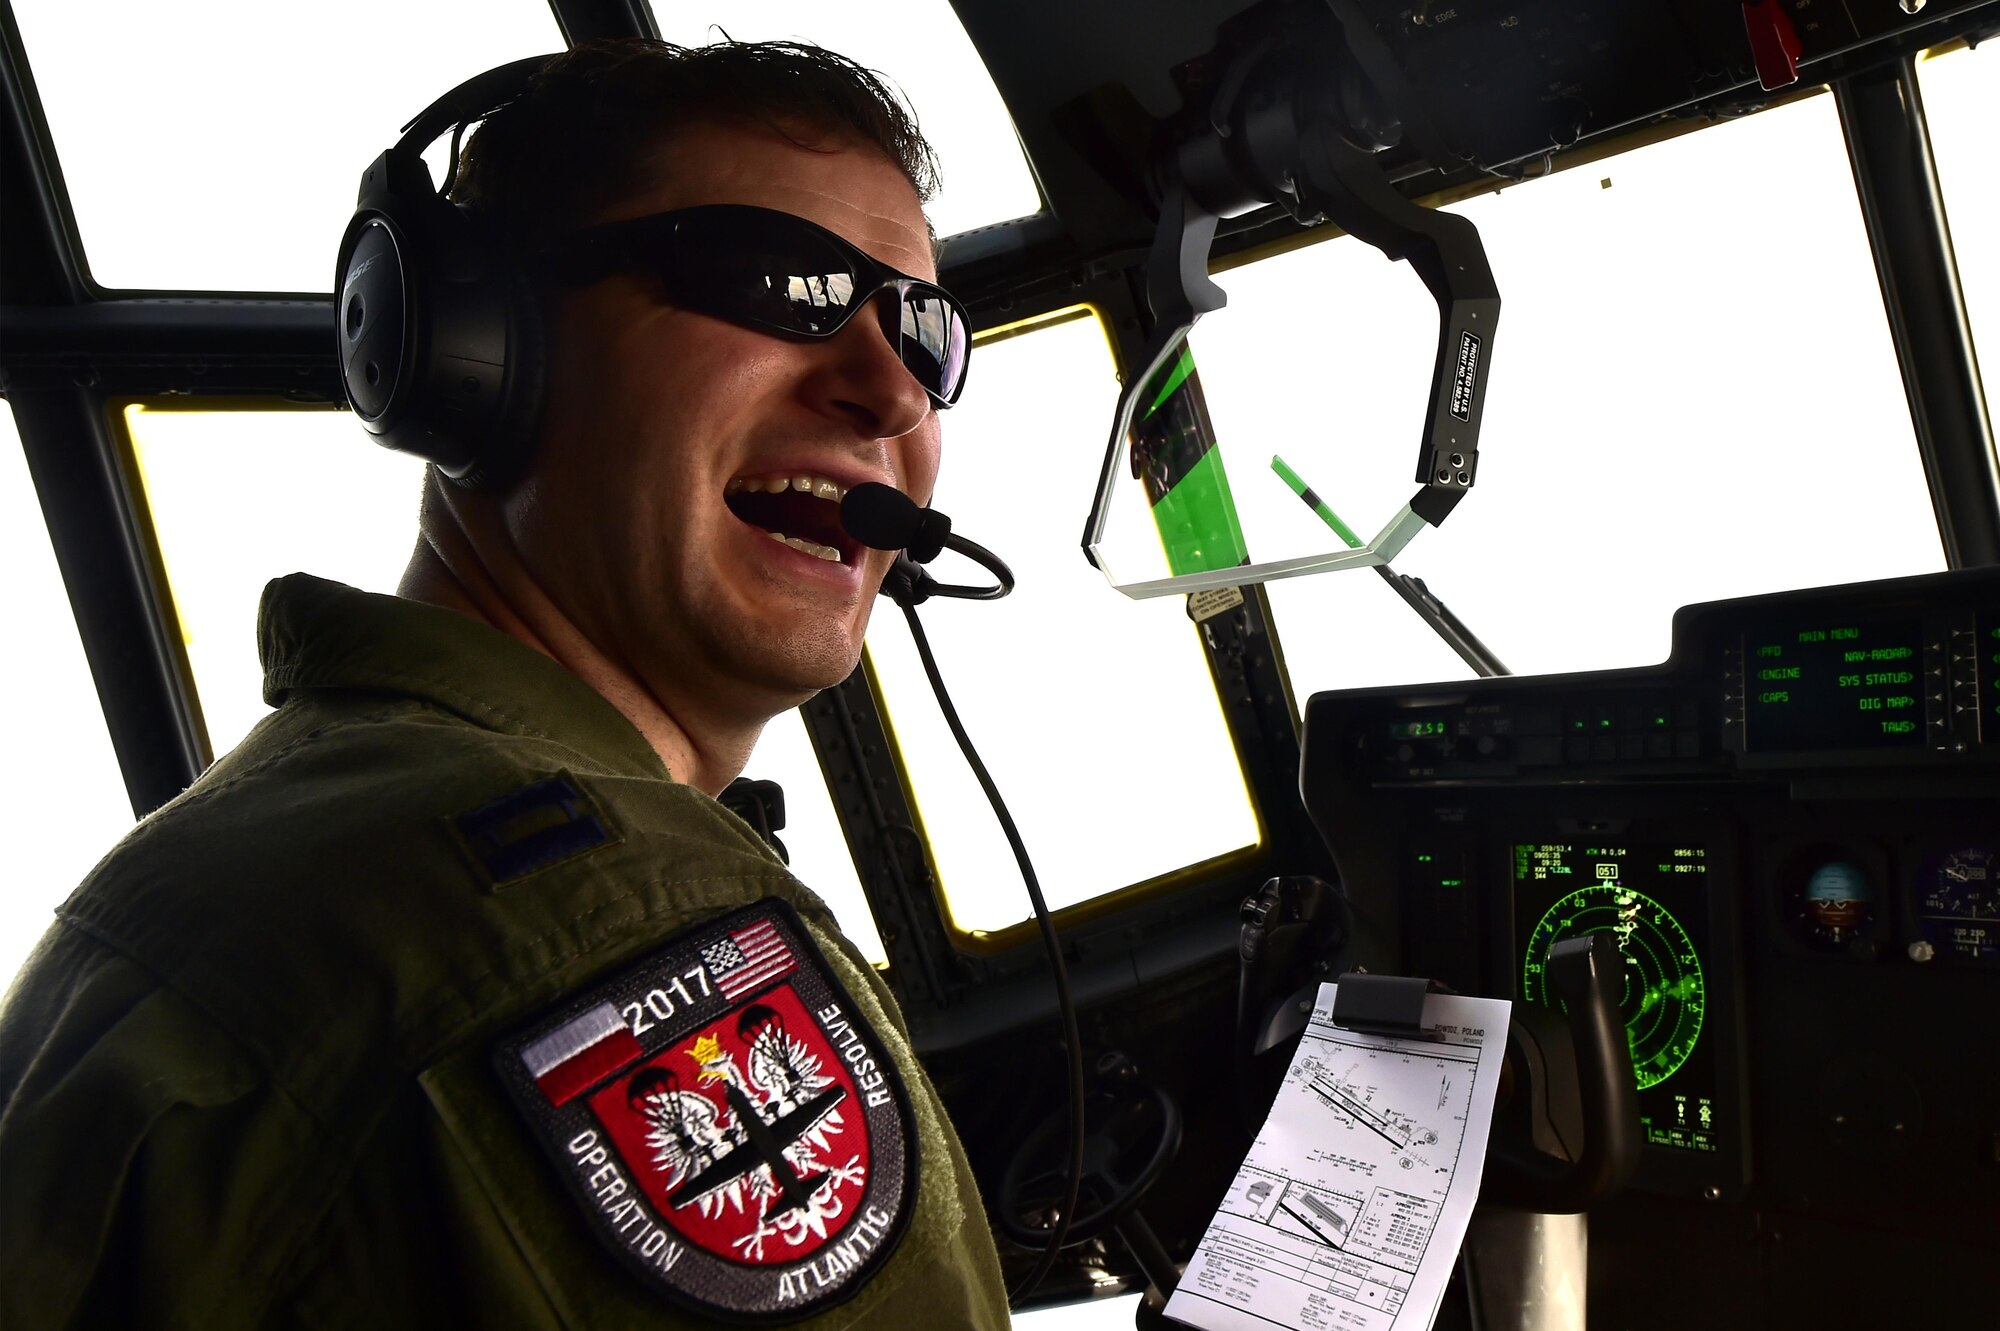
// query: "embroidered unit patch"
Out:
[730,1123]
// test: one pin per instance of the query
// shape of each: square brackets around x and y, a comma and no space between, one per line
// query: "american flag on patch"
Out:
[580,1053]
[747,959]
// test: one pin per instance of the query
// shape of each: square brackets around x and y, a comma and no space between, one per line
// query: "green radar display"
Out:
[1653,901]
[1662,997]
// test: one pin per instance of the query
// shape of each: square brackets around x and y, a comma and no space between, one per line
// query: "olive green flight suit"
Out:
[248,1074]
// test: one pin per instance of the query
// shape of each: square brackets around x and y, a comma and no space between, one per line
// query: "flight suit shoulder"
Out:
[368,874]
[366,901]
[155,1177]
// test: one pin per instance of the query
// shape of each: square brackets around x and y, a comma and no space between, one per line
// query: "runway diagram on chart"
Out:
[1352,1204]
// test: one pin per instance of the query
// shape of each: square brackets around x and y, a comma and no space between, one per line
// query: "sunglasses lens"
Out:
[754,268]
[774,271]
[935,341]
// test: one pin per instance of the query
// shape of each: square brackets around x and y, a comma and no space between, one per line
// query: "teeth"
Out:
[817,551]
[819,487]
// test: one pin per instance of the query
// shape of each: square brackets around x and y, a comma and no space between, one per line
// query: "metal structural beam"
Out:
[44,265]
[145,346]
[1889,146]
[90,499]
[104,545]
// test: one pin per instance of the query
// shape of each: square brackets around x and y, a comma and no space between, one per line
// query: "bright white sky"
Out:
[284,140]
[1693,396]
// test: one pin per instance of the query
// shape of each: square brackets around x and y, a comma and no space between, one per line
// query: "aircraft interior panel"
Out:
[1792,829]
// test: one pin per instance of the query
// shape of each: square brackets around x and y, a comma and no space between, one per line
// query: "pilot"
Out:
[347,1033]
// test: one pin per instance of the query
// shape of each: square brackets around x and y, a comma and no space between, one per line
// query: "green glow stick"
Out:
[1314,502]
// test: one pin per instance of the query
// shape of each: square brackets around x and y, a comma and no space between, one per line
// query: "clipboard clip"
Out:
[1383,1004]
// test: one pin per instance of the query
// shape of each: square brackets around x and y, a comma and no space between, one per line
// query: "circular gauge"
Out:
[1829,901]
[1958,903]
[1662,997]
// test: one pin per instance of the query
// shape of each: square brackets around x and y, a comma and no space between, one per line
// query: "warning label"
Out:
[1465,380]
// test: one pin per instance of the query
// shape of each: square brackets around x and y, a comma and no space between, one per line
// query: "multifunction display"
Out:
[1835,685]
[1654,900]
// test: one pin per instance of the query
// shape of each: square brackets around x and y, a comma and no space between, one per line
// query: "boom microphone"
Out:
[884,518]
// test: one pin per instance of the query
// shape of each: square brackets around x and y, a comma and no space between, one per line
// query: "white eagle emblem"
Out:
[693,1130]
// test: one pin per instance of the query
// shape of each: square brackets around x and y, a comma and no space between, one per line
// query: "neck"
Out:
[463,562]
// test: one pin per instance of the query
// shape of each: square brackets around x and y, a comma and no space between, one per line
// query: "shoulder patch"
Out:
[732,1127]
[542,824]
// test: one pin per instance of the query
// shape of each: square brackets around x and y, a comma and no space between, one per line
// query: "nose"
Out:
[861,381]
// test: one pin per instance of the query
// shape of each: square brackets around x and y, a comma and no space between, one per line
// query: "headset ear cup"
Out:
[441,333]
[441,337]
[373,326]
[511,433]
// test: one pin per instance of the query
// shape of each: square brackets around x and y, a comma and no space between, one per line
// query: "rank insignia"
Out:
[729,1121]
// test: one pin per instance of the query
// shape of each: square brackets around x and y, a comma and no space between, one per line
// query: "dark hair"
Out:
[579,139]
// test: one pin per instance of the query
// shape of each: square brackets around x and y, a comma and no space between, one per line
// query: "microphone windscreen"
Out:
[881,516]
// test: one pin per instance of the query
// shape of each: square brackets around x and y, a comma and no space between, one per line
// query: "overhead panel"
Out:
[1474,85]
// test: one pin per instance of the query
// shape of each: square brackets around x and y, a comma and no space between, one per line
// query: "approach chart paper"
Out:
[1349,1211]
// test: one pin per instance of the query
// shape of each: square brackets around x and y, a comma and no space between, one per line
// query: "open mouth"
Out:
[800,511]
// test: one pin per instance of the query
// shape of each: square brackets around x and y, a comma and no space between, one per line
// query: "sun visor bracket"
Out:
[1301,128]
[1444,249]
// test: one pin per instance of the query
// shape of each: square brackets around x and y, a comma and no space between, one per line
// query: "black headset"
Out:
[441,334]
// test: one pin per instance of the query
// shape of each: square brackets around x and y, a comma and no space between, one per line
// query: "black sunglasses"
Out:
[777,273]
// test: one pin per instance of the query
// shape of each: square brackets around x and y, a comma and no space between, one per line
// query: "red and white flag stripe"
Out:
[581,1052]
[765,958]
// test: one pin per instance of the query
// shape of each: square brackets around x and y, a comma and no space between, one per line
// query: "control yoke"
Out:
[1568,1137]
[1301,128]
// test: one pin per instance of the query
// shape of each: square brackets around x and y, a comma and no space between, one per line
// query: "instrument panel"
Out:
[1792,826]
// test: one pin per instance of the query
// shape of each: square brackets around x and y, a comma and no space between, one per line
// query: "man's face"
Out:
[657,417]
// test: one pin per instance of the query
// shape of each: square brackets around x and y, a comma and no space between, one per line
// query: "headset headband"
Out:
[472,101]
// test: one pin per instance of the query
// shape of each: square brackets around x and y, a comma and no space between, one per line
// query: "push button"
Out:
[1540,749]
[1538,721]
